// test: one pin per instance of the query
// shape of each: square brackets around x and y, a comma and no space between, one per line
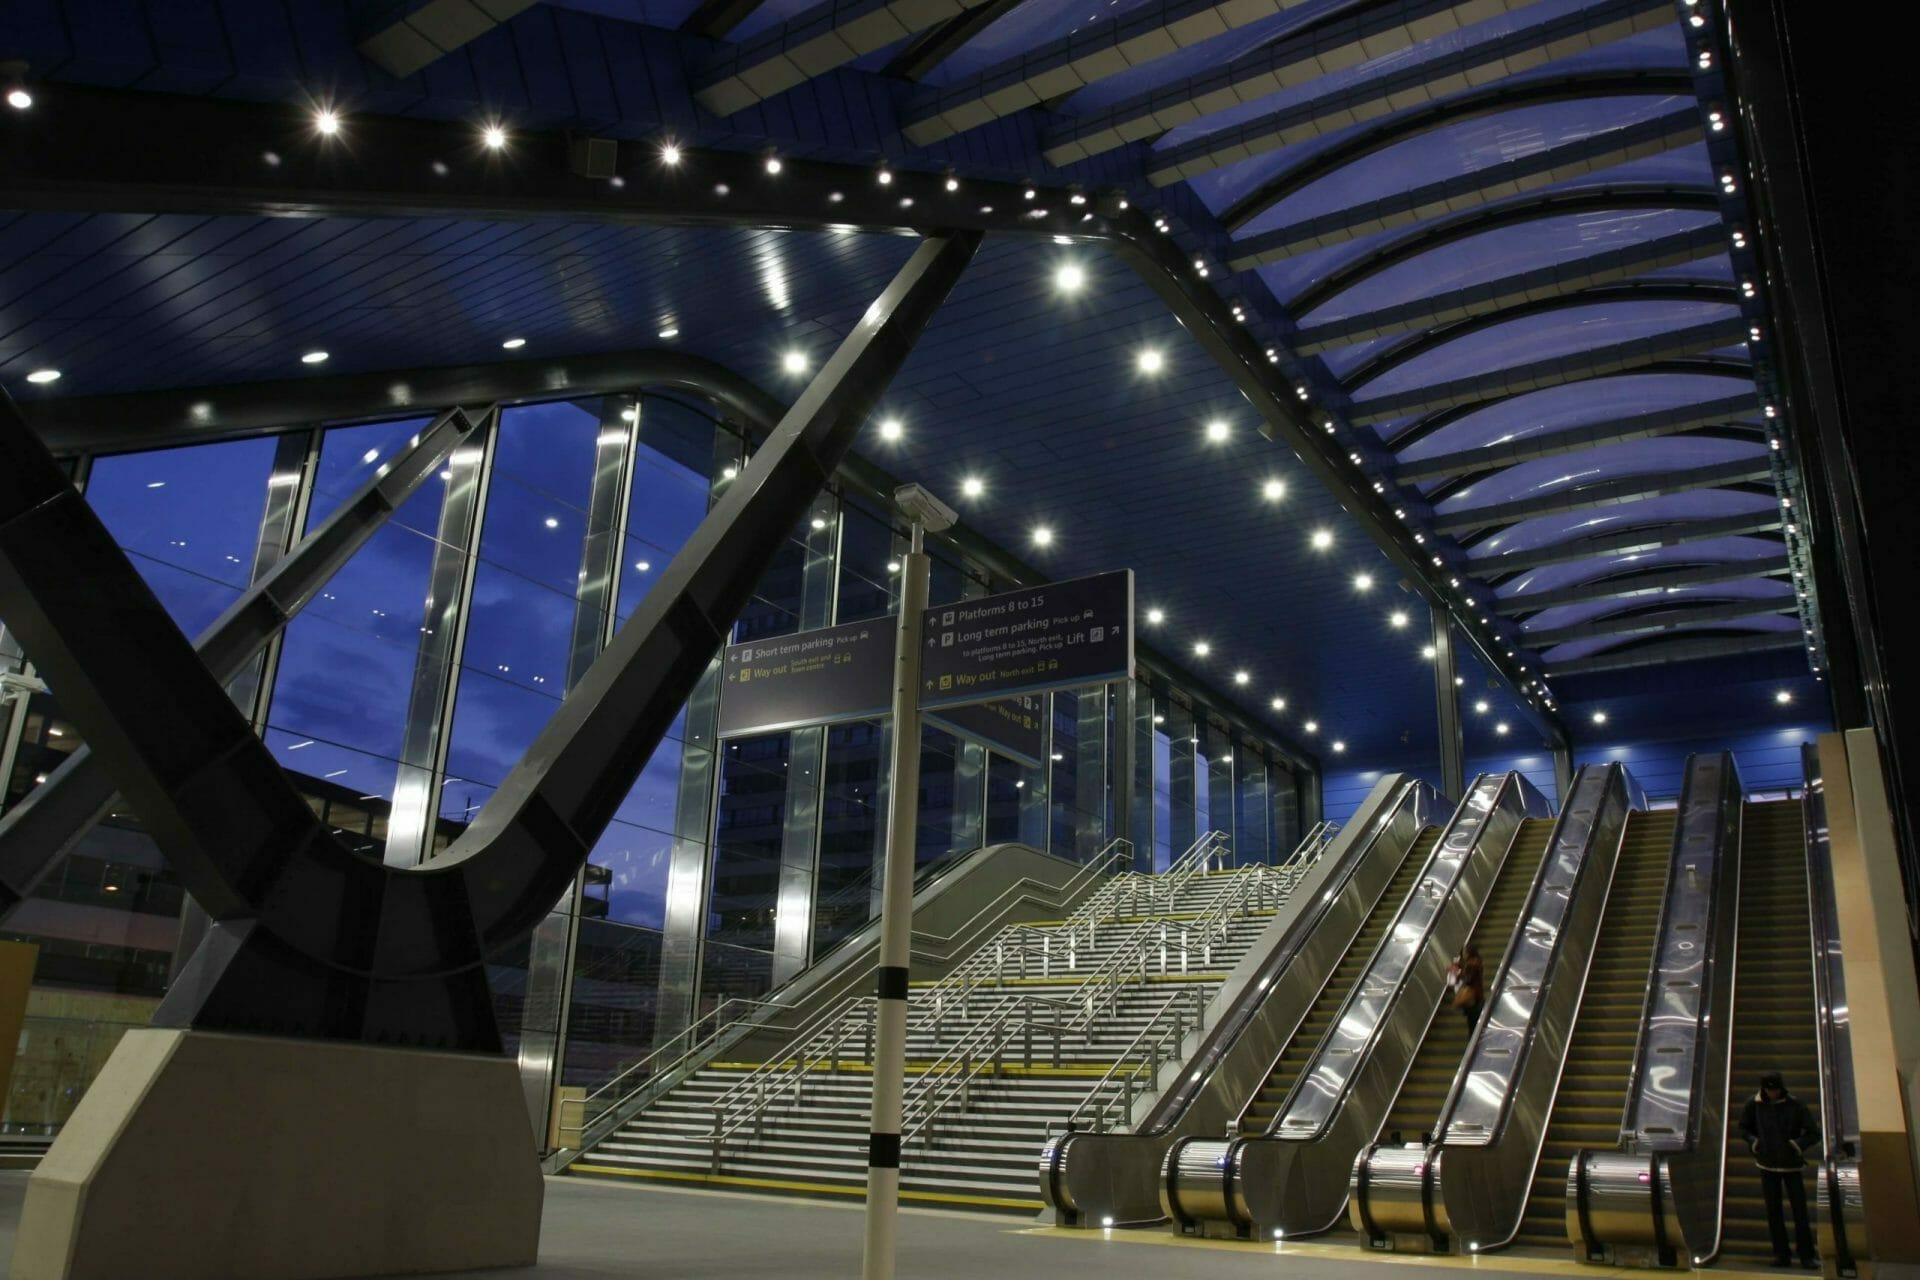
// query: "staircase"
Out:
[1001,1049]
[1773,1009]
[1587,1110]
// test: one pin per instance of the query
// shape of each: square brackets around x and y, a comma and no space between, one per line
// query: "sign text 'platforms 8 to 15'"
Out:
[998,650]
[1048,637]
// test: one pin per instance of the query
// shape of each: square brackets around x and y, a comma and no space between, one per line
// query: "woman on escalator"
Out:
[1469,985]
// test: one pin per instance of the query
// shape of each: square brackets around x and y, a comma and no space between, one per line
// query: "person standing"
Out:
[1469,985]
[1780,1130]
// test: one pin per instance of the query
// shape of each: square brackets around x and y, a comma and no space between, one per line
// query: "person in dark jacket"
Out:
[1469,985]
[1780,1131]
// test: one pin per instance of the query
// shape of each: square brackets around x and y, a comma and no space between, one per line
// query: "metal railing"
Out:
[1843,1226]
[988,1032]
[1137,1070]
[1315,843]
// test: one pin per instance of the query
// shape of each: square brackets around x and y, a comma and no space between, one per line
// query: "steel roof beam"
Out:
[1403,126]
[1557,371]
[1650,623]
[177,154]
[1058,67]
[1606,493]
[1634,585]
[930,49]
[1621,197]
[1165,269]
[1553,444]
[1411,347]
[813,42]
[1556,280]
[1592,154]
[1658,655]
[1606,546]
[1298,59]
[412,35]
[714,18]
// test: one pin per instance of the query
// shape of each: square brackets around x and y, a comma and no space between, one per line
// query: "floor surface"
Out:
[599,1231]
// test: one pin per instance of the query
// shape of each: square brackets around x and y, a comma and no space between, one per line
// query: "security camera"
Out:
[924,509]
[14,686]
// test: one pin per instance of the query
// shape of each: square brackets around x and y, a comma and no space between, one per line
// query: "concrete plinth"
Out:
[212,1156]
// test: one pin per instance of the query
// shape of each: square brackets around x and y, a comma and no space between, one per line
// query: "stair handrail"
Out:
[950,1076]
[1197,860]
[720,1018]
[1155,1043]
[755,1093]
[1844,1223]
[1313,844]
[1251,888]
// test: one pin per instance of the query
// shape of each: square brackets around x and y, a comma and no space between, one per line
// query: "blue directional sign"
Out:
[815,677]
[1055,636]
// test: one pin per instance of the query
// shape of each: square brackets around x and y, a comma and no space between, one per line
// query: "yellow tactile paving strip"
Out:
[795,1187]
[1506,1263]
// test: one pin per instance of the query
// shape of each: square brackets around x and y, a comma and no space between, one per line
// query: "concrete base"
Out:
[211,1156]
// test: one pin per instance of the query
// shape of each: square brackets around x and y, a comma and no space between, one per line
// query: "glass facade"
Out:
[413,683]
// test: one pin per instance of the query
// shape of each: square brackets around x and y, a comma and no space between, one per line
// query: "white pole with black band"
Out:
[896,910]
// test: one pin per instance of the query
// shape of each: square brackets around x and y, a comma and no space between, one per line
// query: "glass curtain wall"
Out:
[413,683]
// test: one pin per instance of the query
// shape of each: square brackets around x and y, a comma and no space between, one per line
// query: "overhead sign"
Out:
[816,677]
[1015,727]
[1038,638]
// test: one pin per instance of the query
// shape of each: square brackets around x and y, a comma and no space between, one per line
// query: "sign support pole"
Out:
[896,924]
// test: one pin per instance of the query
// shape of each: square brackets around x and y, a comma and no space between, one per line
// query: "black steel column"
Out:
[1446,697]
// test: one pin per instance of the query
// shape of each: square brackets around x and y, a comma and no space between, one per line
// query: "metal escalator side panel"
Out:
[1088,1178]
[1295,1180]
[1841,1222]
[1492,1131]
[1676,1112]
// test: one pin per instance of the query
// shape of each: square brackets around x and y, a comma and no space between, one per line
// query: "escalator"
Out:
[1773,1006]
[1592,1096]
[1260,1111]
[1424,1091]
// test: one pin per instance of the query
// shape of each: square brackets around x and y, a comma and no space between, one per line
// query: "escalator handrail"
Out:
[1833,1036]
[1512,788]
[1167,1112]
[1704,914]
[1633,799]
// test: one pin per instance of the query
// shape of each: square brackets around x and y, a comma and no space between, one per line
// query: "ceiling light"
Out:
[893,566]
[40,377]
[1501,728]
[1273,490]
[1363,582]
[553,522]
[494,136]
[1241,677]
[1322,539]
[1028,194]
[644,566]
[325,122]
[671,331]
[1599,717]
[514,344]
[1151,361]
[1278,704]
[1201,648]
[1156,616]
[670,155]
[818,524]
[1338,747]
[1398,618]
[884,176]
[314,357]
[19,99]
[1159,719]
[1217,431]
[1311,726]
[1480,707]
[1428,652]
[794,362]
[729,473]
[890,429]
[973,486]
[1069,277]
[953,183]
[1783,697]
[773,164]
[1042,536]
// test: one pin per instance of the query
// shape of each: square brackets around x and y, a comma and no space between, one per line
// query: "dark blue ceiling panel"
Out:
[1035,393]
[1759,589]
